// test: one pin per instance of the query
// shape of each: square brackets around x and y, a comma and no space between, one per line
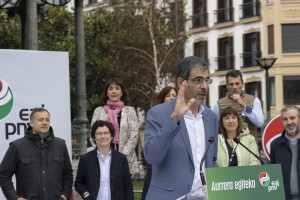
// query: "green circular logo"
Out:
[6,99]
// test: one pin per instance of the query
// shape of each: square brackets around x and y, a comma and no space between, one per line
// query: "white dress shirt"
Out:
[195,128]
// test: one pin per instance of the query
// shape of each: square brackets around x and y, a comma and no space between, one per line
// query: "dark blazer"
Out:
[88,176]
[281,153]
[168,149]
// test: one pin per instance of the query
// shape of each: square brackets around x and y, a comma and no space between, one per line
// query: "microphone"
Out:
[237,140]
[210,141]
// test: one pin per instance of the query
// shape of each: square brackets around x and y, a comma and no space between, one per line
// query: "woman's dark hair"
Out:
[102,123]
[117,82]
[163,93]
[224,113]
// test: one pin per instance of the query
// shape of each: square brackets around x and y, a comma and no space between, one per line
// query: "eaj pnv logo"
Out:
[264,179]
[6,99]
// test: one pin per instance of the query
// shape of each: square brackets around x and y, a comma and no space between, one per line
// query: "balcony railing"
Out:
[249,58]
[224,15]
[200,20]
[225,62]
[250,9]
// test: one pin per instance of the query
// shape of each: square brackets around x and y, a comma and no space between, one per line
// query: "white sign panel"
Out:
[30,79]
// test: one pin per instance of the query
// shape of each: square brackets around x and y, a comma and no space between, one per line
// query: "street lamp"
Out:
[266,64]
[80,122]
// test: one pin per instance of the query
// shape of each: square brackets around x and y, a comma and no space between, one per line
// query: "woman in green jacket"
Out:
[229,152]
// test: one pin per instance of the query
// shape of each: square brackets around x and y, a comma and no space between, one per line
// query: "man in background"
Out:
[40,161]
[248,106]
[285,150]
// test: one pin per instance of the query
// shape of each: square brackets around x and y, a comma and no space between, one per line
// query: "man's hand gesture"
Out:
[182,105]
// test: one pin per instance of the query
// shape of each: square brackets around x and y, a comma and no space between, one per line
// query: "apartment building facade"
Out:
[282,39]
[232,34]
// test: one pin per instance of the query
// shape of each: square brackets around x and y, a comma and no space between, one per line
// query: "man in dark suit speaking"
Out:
[177,134]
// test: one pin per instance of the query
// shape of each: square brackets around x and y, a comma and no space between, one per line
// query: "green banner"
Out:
[245,182]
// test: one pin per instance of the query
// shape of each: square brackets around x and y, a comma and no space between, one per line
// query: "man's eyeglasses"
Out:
[102,133]
[200,80]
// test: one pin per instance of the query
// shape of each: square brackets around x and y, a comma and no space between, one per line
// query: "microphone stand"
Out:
[237,140]
[203,181]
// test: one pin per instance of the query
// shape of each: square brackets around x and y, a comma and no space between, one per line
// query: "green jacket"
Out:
[244,157]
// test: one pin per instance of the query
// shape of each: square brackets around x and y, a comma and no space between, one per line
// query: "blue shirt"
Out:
[104,162]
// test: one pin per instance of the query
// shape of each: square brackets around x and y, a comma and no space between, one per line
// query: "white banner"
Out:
[30,79]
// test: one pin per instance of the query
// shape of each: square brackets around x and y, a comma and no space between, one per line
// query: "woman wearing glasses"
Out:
[230,153]
[104,172]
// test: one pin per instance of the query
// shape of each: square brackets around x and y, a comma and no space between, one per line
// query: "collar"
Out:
[100,155]
[200,113]
[290,141]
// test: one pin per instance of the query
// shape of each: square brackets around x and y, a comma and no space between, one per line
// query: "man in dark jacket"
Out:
[285,150]
[40,162]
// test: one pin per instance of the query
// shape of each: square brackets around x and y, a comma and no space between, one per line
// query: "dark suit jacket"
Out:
[168,149]
[281,153]
[88,176]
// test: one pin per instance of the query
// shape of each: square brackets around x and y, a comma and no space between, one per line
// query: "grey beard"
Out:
[295,132]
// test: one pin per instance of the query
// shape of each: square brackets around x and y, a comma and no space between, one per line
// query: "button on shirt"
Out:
[195,128]
[104,162]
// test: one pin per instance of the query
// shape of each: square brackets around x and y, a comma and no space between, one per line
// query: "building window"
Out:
[250,8]
[200,50]
[290,38]
[251,49]
[253,88]
[225,57]
[271,39]
[291,90]
[224,12]
[199,13]
[222,91]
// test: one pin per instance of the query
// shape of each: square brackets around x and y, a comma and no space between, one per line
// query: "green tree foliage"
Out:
[134,41]
[107,33]
[56,29]
[55,32]
[10,31]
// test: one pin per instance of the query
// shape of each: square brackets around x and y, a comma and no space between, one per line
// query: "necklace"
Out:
[232,155]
